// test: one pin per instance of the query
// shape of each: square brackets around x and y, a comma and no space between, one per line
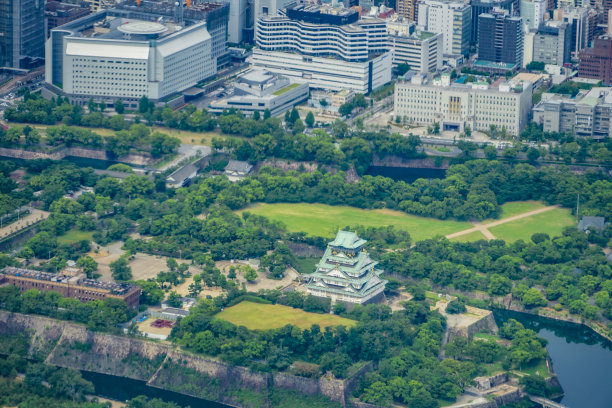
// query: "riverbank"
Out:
[563,316]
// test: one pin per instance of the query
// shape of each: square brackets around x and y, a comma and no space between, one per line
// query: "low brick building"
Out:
[78,287]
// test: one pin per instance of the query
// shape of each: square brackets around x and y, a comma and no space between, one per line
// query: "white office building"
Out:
[259,90]
[452,19]
[110,58]
[424,101]
[532,13]
[421,50]
[330,48]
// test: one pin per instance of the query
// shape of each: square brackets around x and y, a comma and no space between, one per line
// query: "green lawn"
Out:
[305,264]
[551,222]
[73,235]
[325,220]
[471,237]
[518,207]
[258,316]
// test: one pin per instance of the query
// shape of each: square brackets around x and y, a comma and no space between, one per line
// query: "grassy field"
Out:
[186,136]
[305,264]
[518,207]
[73,235]
[325,220]
[551,222]
[471,237]
[258,316]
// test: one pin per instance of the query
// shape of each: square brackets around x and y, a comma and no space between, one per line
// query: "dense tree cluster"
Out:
[97,314]
[565,270]
[405,344]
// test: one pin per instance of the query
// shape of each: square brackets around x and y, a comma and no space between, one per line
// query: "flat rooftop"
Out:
[118,28]
[114,288]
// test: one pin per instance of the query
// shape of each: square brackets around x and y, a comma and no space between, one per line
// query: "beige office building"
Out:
[454,106]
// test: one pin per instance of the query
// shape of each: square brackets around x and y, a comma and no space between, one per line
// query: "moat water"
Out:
[581,358]
[122,389]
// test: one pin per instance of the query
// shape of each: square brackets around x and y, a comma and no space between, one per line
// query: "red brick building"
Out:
[596,62]
[78,287]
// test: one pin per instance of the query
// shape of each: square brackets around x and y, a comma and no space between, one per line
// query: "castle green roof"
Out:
[348,240]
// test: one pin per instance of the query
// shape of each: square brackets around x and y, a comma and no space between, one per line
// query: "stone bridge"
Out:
[546,403]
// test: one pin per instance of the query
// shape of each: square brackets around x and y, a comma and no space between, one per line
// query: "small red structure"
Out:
[159,323]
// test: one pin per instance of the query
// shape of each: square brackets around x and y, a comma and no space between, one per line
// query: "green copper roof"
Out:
[348,240]
[342,270]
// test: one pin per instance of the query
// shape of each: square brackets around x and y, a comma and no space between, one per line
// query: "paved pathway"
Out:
[25,221]
[484,228]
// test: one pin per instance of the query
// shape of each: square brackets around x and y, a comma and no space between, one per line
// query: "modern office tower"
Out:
[330,48]
[453,19]
[238,19]
[424,101]
[501,38]
[408,9]
[59,13]
[22,33]
[589,114]
[582,23]
[484,6]
[346,273]
[215,14]
[551,44]
[596,62]
[532,12]
[421,50]
[106,57]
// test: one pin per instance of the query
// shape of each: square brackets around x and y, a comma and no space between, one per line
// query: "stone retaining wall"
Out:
[164,366]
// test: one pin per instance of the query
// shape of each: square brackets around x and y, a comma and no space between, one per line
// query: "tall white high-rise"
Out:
[453,19]
[532,12]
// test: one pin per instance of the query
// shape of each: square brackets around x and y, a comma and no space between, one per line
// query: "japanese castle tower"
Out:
[346,273]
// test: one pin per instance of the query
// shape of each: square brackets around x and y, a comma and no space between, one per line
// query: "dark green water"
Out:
[122,389]
[582,359]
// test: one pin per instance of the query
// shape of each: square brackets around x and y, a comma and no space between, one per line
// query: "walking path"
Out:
[484,228]
[33,217]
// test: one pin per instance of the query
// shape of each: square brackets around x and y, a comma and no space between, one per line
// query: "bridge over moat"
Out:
[546,403]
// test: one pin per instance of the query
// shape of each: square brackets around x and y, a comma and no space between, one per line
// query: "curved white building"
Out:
[330,48]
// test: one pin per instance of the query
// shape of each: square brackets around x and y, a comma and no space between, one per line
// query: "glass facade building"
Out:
[22,29]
